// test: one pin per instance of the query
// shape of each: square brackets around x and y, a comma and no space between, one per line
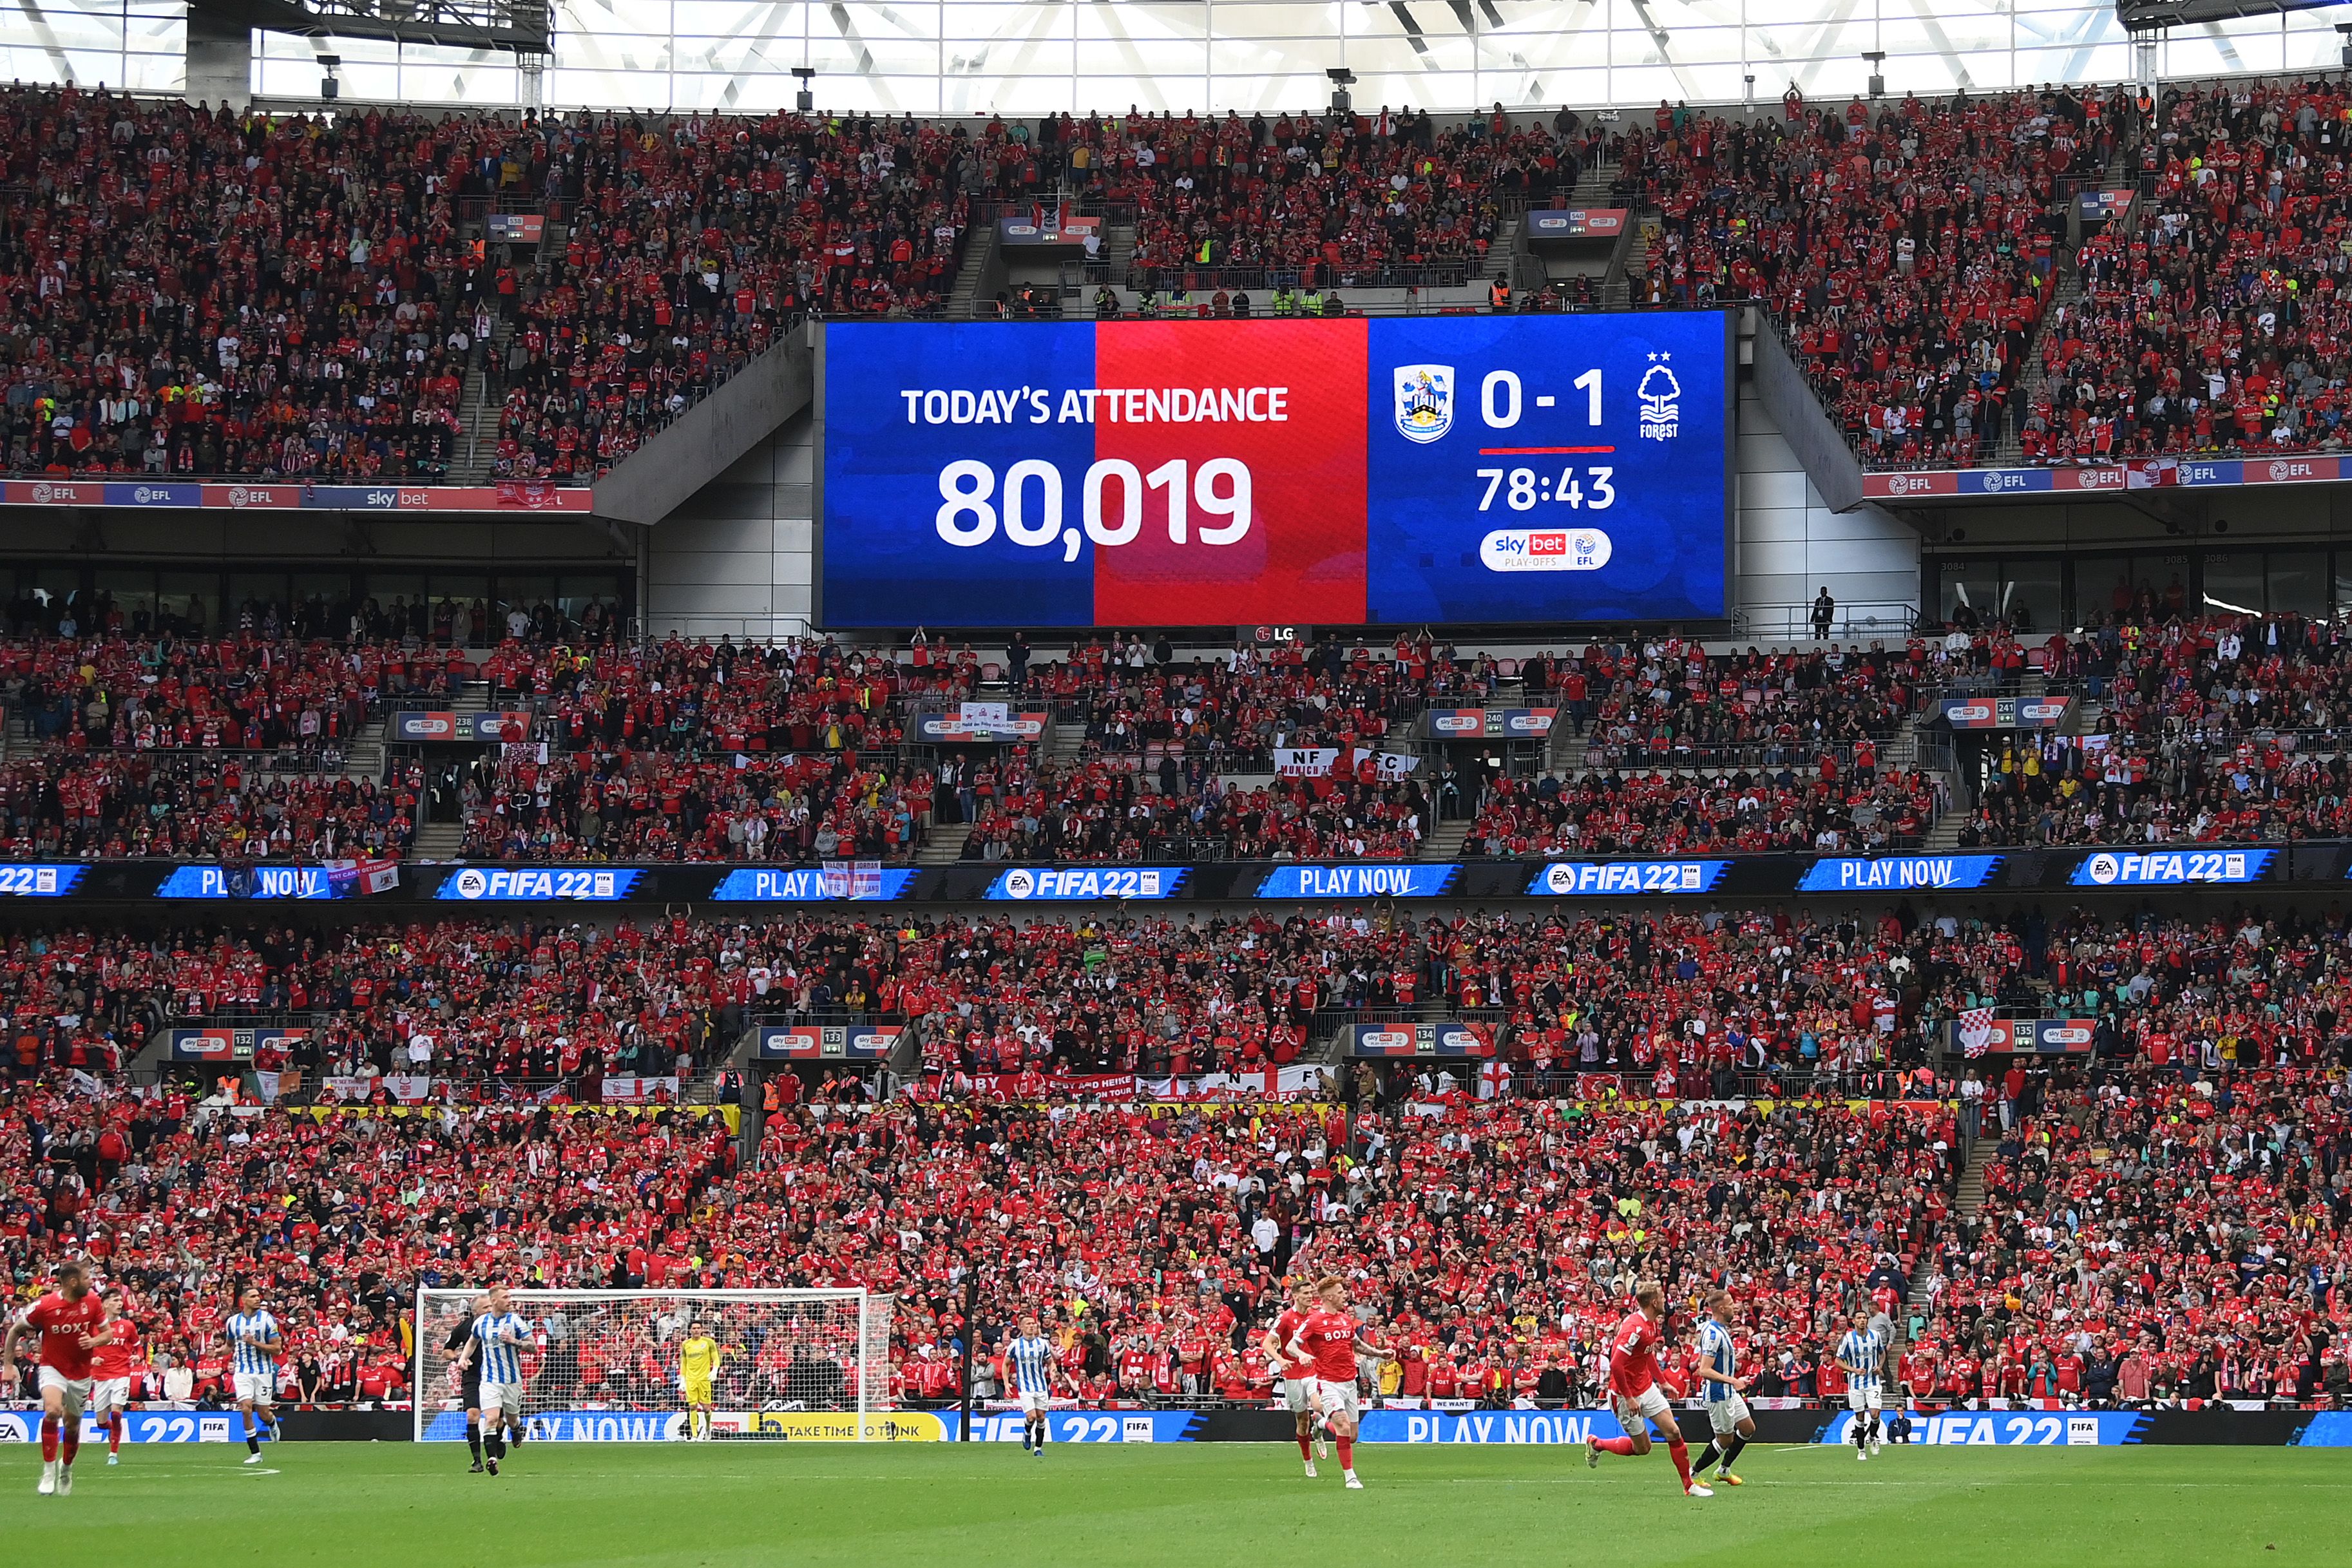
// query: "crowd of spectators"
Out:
[692,242]
[1100,811]
[2178,1214]
[195,805]
[1669,812]
[337,1219]
[2156,1236]
[1904,249]
[1666,702]
[1311,202]
[233,692]
[2210,321]
[2222,728]
[588,806]
[202,292]
[195,293]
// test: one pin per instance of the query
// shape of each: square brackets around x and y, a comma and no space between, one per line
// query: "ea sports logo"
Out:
[472,884]
[1559,878]
[2103,868]
[1020,884]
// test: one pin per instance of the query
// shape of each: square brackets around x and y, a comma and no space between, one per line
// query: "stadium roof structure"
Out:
[517,26]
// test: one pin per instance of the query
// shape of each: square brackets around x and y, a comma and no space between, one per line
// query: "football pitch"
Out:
[402,1505]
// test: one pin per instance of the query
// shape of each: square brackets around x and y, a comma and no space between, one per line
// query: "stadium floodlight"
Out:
[1877,59]
[804,101]
[788,1363]
[1342,78]
[329,89]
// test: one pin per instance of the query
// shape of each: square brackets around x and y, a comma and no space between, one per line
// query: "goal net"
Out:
[606,1365]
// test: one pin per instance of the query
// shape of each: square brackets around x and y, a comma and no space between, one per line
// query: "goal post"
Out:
[605,1365]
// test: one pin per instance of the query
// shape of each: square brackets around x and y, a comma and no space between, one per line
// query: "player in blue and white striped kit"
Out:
[1720,1383]
[253,1344]
[499,1337]
[1030,1359]
[1863,1356]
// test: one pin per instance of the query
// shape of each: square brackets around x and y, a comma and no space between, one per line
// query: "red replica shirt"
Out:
[1633,1354]
[1329,1339]
[1286,1326]
[62,1324]
[120,1357]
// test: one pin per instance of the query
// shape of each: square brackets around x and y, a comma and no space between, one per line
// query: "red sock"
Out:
[114,1433]
[1680,1454]
[1620,1446]
[70,1443]
[1347,1453]
[48,1440]
[1306,1446]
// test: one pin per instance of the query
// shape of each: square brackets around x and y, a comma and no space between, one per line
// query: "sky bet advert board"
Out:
[1398,470]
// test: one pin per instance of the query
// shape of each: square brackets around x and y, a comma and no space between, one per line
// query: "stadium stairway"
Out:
[1567,759]
[477,416]
[1444,840]
[943,845]
[438,841]
[979,250]
[1966,1202]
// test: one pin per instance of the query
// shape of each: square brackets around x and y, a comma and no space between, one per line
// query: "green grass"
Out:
[405,1506]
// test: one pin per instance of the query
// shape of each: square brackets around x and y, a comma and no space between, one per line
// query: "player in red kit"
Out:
[1635,1385]
[112,1365]
[1297,1376]
[71,1323]
[1328,1337]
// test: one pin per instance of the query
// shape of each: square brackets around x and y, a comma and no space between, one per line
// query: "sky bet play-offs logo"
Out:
[1544,550]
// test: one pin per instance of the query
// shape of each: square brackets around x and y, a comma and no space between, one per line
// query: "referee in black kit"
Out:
[460,1343]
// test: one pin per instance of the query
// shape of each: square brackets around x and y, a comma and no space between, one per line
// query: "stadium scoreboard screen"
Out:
[1342,471]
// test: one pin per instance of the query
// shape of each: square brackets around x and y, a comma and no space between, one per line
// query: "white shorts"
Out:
[1861,1399]
[1033,1404]
[76,1390]
[258,1387]
[1650,1405]
[1336,1397]
[111,1393]
[1724,1415]
[1298,1394]
[506,1397]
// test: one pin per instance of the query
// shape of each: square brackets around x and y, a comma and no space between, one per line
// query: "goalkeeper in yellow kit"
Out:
[698,1356]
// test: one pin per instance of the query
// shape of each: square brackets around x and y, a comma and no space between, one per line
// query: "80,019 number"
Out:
[969,514]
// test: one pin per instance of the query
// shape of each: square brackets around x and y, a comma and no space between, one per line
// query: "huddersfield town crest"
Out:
[1424,401]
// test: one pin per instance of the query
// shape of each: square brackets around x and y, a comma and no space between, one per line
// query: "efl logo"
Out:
[2283,472]
[1545,550]
[1909,484]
